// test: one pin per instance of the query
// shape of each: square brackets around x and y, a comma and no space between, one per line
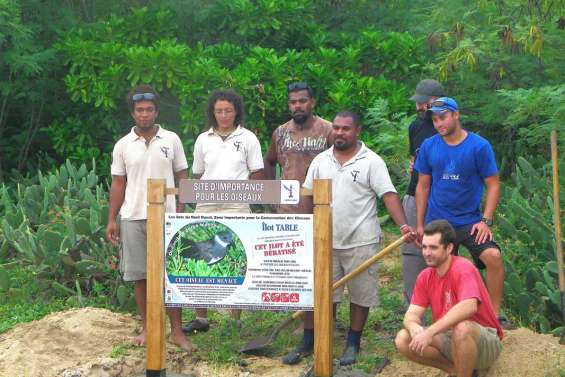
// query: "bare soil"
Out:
[96,343]
[524,353]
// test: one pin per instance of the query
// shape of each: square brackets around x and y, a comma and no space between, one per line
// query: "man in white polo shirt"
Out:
[358,177]
[148,151]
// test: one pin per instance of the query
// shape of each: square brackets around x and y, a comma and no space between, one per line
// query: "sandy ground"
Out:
[525,353]
[93,343]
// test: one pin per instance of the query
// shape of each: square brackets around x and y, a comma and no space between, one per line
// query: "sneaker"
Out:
[349,355]
[196,326]
[294,356]
[505,323]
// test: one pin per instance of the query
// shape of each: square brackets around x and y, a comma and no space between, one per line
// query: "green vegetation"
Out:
[526,231]
[53,228]
[378,338]
[234,264]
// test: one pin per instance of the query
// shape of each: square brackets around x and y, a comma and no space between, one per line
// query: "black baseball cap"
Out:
[426,89]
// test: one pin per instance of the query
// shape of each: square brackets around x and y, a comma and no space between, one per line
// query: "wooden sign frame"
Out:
[323,303]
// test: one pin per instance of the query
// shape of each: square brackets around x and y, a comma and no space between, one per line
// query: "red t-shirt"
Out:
[462,281]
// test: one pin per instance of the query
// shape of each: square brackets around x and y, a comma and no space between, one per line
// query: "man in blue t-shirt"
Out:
[453,166]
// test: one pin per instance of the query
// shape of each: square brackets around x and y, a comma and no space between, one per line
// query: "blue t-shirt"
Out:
[457,173]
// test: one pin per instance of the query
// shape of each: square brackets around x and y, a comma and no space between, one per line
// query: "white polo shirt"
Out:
[236,157]
[355,187]
[136,160]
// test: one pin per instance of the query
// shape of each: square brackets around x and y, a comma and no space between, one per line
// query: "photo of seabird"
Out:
[206,249]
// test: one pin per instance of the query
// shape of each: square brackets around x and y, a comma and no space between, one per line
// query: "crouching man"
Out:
[465,335]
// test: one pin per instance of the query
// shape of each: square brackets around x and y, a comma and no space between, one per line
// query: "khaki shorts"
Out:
[363,289]
[133,253]
[490,347]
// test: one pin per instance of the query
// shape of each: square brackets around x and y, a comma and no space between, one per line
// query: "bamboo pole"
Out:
[155,322]
[323,302]
[557,222]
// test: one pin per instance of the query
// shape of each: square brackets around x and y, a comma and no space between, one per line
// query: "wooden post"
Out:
[557,224]
[155,340]
[323,302]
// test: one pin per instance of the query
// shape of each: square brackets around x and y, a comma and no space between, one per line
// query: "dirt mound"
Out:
[524,353]
[95,343]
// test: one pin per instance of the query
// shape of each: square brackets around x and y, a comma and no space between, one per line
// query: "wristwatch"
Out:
[489,222]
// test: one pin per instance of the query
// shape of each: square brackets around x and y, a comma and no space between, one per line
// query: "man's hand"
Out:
[482,232]
[415,330]
[113,233]
[408,230]
[419,235]
[421,341]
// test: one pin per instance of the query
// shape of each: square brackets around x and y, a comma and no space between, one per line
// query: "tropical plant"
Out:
[525,228]
[55,227]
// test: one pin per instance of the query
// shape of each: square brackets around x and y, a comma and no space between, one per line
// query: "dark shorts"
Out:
[465,238]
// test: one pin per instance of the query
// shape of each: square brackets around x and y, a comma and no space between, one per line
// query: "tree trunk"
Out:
[34,125]
[3,117]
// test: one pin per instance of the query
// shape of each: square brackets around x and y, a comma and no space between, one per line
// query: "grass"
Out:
[30,298]
[24,301]
[377,342]
[220,345]
[234,264]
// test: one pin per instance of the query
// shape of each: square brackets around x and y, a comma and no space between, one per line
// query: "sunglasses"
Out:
[298,86]
[143,96]
[438,104]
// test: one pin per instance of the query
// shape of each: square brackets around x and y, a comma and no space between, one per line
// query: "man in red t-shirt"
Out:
[465,334]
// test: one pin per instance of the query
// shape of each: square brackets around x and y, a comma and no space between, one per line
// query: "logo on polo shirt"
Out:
[355,174]
[237,144]
[165,151]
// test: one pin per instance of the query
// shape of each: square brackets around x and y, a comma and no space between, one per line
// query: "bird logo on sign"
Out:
[289,189]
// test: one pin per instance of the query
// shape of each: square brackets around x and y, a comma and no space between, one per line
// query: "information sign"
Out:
[239,191]
[244,261]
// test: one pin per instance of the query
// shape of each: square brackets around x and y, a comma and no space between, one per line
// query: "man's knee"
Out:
[402,341]
[492,258]
[464,331]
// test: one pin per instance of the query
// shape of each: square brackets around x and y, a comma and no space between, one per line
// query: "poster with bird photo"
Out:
[206,248]
[246,261]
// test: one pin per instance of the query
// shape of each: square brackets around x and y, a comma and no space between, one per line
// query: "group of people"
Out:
[449,167]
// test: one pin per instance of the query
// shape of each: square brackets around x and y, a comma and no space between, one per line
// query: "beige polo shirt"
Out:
[355,187]
[136,160]
[236,157]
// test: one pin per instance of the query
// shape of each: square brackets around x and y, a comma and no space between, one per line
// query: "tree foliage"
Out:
[65,68]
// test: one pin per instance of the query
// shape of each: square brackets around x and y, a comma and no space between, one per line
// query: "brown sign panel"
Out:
[239,191]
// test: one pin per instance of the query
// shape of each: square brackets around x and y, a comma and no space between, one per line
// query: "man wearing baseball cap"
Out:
[420,129]
[453,166]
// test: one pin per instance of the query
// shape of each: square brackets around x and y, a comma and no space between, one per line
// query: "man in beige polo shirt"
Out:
[148,151]
[359,176]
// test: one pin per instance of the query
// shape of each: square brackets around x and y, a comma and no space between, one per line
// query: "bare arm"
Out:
[117,194]
[422,194]
[411,164]
[271,159]
[259,174]
[493,195]
[181,174]
[413,319]
[458,313]
[394,208]
[481,230]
